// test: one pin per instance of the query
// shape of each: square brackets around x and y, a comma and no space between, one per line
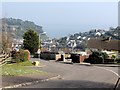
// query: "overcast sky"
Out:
[63,18]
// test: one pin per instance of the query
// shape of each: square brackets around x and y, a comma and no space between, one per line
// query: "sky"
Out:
[60,19]
[119,13]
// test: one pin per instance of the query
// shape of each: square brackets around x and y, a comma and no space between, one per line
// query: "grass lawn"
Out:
[15,69]
[118,63]
[27,63]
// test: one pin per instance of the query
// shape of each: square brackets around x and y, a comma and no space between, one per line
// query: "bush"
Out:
[26,55]
[16,57]
[118,60]
[97,58]
[36,55]
[104,55]
[113,57]
[21,56]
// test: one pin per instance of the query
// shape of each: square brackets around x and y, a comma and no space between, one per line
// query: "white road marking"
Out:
[109,70]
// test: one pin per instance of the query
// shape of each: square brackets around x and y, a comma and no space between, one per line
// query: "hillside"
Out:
[79,40]
[18,27]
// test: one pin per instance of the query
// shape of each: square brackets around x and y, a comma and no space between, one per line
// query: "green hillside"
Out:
[18,27]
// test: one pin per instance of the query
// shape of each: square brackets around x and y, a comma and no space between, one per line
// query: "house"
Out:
[107,45]
[101,44]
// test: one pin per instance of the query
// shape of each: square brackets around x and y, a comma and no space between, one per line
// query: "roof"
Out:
[106,45]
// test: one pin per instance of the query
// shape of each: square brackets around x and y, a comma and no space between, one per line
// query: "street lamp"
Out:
[43,38]
[39,50]
[40,40]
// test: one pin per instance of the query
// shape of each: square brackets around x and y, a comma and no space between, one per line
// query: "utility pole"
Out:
[39,50]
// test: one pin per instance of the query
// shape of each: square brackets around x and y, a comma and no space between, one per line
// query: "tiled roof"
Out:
[100,44]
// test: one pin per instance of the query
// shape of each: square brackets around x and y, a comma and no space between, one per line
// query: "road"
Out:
[77,76]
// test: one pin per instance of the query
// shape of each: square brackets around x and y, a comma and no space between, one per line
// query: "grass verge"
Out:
[19,69]
[118,63]
[27,63]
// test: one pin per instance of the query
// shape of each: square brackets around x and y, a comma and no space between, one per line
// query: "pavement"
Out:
[107,65]
[88,64]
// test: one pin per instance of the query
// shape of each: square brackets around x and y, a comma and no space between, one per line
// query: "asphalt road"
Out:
[77,76]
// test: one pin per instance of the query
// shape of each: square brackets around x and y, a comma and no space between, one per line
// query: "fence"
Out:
[3,59]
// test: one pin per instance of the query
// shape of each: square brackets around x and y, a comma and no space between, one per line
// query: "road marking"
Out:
[109,70]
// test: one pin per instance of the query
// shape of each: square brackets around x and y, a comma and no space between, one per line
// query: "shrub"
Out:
[118,60]
[113,57]
[96,57]
[26,55]
[104,55]
[16,57]
[21,56]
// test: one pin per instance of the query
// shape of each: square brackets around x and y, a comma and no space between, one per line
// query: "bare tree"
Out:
[0,42]
[6,42]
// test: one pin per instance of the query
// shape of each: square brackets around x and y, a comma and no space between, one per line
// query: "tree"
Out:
[31,41]
[0,43]
[6,42]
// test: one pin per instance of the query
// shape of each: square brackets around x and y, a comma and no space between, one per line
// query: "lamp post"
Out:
[39,50]
[40,40]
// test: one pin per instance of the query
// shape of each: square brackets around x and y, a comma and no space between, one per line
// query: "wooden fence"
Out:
[4,59]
